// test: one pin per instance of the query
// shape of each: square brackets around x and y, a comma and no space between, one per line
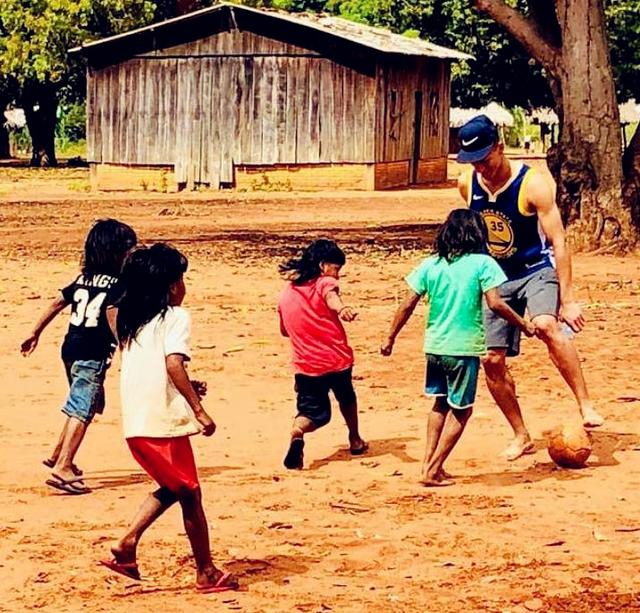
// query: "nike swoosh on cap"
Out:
[466,143]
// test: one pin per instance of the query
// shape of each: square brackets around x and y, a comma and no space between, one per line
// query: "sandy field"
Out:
[347,533]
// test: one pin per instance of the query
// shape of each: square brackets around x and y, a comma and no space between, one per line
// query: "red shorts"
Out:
[168,461]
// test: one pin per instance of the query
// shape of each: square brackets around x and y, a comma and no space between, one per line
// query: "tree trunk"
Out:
[40,107]
[588,160]
[586,163]
[5,153]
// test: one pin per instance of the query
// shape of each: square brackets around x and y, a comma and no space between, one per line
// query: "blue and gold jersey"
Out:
[516,239]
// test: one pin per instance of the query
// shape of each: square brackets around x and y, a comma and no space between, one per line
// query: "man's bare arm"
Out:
[541,198]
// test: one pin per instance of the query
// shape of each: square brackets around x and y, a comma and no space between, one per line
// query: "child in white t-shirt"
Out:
[161,407]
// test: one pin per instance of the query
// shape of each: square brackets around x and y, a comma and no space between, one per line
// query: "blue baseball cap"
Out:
[476,138]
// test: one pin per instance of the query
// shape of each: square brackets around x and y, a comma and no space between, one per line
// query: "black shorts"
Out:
[313,395]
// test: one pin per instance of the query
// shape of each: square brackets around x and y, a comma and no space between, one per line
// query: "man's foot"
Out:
[357,446]
[591,418]
[517,448]
[215,580]
[294,460]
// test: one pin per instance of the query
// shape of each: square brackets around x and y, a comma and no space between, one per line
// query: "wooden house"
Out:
[240,97]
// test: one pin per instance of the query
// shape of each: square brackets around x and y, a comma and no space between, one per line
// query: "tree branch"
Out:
[524,30]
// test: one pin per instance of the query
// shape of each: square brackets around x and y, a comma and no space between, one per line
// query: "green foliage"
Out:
[36,34]
[71,121]
[623,19]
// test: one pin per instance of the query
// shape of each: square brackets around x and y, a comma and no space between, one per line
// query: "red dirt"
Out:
[345,534]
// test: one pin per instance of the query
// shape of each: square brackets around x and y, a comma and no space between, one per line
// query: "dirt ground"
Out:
[345,534]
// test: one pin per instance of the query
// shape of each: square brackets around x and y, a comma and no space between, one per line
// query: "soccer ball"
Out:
[569,446]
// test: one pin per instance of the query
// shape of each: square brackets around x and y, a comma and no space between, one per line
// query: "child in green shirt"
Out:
[454,280]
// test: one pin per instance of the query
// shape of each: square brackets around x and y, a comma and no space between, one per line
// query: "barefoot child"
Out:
[454,281]
[161,407]
[310,311]
[88,345]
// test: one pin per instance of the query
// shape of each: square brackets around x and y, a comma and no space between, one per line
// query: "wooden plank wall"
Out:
[397,83]
[396,86]
[242,100]
[434,77]
[132,113]
[234,42]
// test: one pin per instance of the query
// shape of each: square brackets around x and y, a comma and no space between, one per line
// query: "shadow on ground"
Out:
[115,479]
[396,447]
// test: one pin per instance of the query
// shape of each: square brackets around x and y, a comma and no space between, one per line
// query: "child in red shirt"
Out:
[310,311]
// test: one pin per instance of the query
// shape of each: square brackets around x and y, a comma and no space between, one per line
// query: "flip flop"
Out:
[68,486]
[128,569]
[220,585]
[359,450]
[295,456]
[49,463]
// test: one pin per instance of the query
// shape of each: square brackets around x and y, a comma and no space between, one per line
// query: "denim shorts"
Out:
[86,389]
[455,377]
[537,293]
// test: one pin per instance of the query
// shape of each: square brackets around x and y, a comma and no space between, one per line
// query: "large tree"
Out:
[35,36]
[568,38]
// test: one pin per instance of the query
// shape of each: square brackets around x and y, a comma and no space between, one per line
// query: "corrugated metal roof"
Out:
[377,39]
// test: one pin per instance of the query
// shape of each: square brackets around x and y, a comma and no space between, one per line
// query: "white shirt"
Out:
[151,404]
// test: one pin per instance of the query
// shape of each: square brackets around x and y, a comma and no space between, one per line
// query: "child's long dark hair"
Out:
[147,277]
[106,247]
[463,232]
[307,266]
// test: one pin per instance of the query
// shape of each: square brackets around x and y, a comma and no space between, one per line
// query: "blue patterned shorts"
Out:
[455,377]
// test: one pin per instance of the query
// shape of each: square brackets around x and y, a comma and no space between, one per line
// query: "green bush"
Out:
[71,125]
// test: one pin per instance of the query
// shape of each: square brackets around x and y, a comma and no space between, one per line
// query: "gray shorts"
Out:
[537,293]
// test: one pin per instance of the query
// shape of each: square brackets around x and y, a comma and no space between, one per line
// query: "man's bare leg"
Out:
[503,389]
[564,356]
[453,429]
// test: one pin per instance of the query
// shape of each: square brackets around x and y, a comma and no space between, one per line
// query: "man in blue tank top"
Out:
[527,238]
